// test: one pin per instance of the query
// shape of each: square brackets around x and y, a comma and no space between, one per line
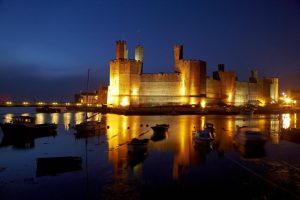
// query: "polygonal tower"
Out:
[121,51]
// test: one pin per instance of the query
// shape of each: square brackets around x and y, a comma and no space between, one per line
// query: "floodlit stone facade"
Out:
[188,85]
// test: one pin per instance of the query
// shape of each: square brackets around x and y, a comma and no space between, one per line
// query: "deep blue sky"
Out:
[46,46]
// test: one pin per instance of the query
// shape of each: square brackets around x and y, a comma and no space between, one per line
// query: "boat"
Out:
[160,127]
[290,134]
[159,132]
[202,137]
[51,166]
[249,137]
[21,125]
[138,145]
[88,127]
[211,128]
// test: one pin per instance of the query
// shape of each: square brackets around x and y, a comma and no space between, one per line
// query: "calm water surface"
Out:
[172,168]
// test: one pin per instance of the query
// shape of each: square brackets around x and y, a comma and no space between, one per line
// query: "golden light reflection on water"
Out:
[40,118]
[67,120]
[79,116]
[295,120]
[8,117]
[54,118]
[274,131]
[286,120]
[178,144]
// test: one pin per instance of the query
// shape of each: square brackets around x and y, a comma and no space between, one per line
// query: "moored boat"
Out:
[88,128]
[160,127]
[250,137]
[202,137]
[137,145]
[21,125]
[159,131]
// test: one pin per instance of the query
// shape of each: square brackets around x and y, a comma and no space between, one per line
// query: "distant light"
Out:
[89,104]
[8,102]
[134,91]
[124,101]
[230,97]
[203,103]
[40,103]
[25,103]
[67,103]
[288,100]
[54,103]
[98,105]
[78,104]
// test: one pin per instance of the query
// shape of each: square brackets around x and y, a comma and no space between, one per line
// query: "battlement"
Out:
[124,60]
[121,42]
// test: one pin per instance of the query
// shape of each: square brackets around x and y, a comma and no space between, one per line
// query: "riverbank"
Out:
[181,110]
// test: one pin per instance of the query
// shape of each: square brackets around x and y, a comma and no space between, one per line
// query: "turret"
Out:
[121,51]
[178,55]
[221,67]
[139,53]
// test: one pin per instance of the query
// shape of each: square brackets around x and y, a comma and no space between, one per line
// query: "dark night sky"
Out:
[46,46]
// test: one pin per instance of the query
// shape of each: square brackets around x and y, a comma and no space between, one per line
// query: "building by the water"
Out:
[188,85]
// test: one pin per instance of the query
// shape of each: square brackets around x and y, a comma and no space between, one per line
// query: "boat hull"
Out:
[24,129]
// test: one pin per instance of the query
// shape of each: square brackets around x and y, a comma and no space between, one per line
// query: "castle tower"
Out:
[121,49]
[221,67]
[254,74]
[178,55]
[139,53]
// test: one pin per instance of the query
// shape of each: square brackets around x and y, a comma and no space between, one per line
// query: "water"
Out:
[172,168]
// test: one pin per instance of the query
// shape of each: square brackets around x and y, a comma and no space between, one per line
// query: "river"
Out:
[172,167]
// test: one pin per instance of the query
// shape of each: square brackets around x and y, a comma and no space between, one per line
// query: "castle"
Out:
[188,85]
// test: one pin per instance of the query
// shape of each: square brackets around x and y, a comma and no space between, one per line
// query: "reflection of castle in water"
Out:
[179,142]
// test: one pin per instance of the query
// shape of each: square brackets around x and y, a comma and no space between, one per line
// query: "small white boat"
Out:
[250,137]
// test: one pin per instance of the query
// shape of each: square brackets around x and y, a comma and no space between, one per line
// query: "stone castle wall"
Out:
[188,85]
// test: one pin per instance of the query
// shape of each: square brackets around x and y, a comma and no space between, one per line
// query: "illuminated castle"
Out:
[188,85]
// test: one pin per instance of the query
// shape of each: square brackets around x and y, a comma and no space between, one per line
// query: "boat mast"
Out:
[87,94]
